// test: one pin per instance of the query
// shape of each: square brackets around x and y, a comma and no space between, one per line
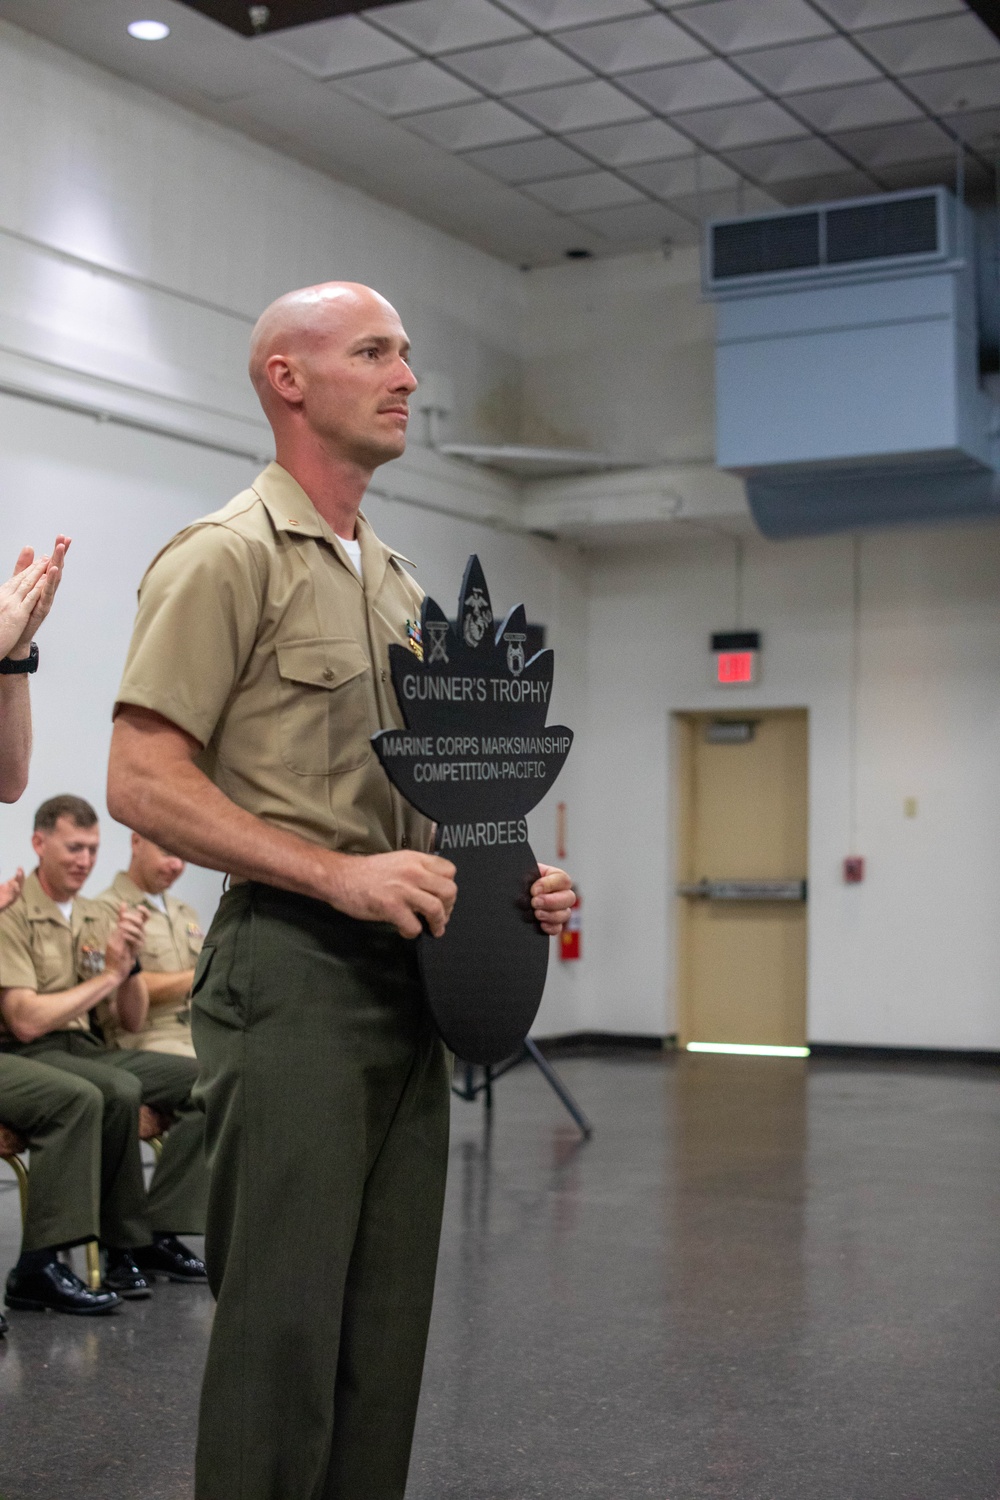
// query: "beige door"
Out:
[743,818]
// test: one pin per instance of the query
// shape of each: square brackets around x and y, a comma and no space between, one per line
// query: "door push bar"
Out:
[745,890]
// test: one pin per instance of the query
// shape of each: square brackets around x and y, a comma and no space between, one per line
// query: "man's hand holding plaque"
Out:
[476,756]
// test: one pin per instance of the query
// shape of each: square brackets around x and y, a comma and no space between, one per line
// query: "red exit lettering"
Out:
[735,666]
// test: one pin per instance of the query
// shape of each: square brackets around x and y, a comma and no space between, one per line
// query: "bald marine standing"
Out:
[257,674]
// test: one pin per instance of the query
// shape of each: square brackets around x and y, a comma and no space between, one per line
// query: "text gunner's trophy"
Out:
[476,757]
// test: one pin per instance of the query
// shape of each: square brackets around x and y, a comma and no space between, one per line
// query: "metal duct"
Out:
[853,356]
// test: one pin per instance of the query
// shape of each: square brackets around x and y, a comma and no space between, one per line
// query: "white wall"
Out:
[119,495]
[619,358]
[179,232]
[910,957]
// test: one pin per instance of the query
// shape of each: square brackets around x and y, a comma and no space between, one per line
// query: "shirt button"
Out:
[328,674]
[383,674]
[404,842]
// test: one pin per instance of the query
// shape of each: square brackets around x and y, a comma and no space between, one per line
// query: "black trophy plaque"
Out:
[476,757]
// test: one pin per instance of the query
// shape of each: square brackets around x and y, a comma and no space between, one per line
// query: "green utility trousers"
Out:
[61,1118]
[326,1099]
[175,1203]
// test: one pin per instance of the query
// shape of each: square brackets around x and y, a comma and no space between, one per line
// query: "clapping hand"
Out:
[123,945]
[11,889]
[26,597]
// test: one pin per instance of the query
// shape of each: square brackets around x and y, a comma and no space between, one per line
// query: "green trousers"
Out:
[175,1203]
[62,1119]
[326,1099]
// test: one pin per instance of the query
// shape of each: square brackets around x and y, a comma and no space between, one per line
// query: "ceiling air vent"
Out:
[883,230]
[831,238]
[757,247]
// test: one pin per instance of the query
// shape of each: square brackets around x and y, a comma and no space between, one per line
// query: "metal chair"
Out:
[13,1148]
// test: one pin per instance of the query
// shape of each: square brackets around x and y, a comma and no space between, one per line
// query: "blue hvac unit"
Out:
[848,386]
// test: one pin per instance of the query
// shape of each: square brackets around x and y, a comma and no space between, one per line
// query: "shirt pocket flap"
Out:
[323,662]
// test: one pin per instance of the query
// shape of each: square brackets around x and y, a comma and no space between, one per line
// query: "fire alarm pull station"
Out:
[571,937]
[737,657]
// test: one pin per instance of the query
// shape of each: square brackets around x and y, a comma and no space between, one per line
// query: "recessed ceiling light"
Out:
[148,31]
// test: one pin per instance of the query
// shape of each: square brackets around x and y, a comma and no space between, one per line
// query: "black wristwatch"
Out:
[29,663]
[135,969]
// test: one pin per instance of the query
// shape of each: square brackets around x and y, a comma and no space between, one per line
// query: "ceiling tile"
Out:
[690,85]
[980,128]
[554,15]
[470,125]
[741,124]
[925,45]
[532,63]
[641,224]
[857,14]
[733,25]
[529,161]
[808,65]
[406,88]
[575,194]
[857,105]
[441,25]
[915,141]
[958,89]
[832,187]
[345,44]
[790,159]
[691,174]
[738,202]
[642,42]
[621,145]
[574,106]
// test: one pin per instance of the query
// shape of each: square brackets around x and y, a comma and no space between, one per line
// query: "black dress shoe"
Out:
[55,1286]
[170,1258]
[122,1275]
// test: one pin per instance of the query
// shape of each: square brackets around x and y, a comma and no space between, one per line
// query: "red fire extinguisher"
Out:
[572,934]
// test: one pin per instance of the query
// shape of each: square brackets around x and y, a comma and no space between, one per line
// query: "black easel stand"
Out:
[491,1072]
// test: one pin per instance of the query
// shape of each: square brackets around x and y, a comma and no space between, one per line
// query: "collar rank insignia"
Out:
[414,639]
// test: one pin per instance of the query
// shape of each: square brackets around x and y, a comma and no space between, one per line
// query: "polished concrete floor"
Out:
[761,1280]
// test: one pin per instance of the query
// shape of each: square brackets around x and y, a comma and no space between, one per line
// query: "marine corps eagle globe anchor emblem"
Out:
[476,757]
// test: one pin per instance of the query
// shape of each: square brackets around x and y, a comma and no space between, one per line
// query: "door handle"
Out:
[746,890]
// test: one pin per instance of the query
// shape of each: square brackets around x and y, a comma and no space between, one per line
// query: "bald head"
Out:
[329,364]
[300,321]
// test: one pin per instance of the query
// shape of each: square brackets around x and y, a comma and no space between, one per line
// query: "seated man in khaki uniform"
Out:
[170,947]
[60,957]
[62,1119]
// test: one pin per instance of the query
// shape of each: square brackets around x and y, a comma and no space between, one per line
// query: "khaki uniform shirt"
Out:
[41,951]
[256,636]
[172,942]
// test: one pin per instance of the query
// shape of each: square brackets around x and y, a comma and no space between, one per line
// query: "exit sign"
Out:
[736,654]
